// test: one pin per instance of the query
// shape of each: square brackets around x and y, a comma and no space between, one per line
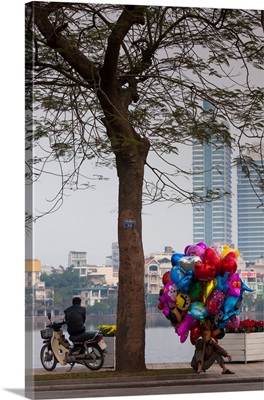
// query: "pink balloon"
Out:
[235,321]
[234,284]
[188,323]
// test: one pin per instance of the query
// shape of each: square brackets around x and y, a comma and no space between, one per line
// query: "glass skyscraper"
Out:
[212,221]
[250,230]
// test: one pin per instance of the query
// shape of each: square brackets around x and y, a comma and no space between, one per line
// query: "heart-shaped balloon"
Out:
[204,272]
[212,258]
[189,262]
[229,264]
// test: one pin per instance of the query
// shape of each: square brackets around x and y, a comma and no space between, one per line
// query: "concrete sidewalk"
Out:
[249,370]
[254,368]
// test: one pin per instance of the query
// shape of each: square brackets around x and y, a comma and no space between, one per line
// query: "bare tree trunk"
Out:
[131,315]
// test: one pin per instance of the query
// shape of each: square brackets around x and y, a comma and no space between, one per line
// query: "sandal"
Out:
[227,372]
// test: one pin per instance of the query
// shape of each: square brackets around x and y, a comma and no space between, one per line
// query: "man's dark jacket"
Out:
[75,316]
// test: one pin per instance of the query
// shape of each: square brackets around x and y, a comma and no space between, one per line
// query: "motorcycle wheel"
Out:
[47,358]
[97,357]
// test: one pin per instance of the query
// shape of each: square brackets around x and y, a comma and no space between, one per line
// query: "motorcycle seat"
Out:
[83,337]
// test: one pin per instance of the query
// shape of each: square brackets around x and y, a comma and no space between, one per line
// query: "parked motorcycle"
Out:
[57,349]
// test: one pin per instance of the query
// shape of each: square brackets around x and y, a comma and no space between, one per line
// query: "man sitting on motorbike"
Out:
[75,317]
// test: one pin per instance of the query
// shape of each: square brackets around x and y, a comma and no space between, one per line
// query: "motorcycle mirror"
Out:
[49,315]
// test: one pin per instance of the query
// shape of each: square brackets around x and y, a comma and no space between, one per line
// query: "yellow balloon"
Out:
[208,288]
[226,250]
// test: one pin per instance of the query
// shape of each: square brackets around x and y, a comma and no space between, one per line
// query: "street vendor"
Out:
[206,353]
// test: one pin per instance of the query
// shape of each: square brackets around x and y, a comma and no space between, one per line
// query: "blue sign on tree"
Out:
[129,223]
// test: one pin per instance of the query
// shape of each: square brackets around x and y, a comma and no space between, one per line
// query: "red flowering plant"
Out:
[248,326]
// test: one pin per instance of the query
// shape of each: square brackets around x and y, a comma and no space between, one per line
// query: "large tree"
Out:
[116,82]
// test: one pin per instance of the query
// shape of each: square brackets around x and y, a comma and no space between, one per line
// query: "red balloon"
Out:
[195,333]
[166,278]
[204,272]
[229,264]
[215,301]
[212,258]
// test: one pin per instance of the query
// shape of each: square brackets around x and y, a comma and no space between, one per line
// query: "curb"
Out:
[135,382]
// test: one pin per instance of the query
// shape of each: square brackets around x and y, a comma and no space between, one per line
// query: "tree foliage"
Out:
[64,285]
[123,86]
[164,61]
[70,277]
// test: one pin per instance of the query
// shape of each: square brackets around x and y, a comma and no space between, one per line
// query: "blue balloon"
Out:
[244,288]
[232,303]
[221,282]
[231,307]
[185,283]
[176,274]
[198,310]
[219,320]
[175,259]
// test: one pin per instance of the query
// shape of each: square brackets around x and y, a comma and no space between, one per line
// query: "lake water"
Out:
[162,343]
[162,346]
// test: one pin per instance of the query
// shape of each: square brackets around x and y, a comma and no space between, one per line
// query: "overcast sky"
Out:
[87,221]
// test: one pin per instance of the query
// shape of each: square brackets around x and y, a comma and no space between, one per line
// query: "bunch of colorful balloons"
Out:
[202,292]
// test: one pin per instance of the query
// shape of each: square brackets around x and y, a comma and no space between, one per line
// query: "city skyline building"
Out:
[250,215]
[212,221]
[77,258]
[115,257]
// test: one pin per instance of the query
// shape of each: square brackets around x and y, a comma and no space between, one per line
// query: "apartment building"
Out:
[38,299]
[92,294]
[77,258]
[212,221]
[250,214]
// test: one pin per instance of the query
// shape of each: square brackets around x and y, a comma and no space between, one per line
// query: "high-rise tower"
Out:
[250,216]
[212,221]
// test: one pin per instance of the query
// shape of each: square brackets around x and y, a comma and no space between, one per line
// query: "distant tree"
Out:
[258,304]
[152,302]
[64,285]
[63,297]
[124,85]
[69,277]
[99,308]
[112,302]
